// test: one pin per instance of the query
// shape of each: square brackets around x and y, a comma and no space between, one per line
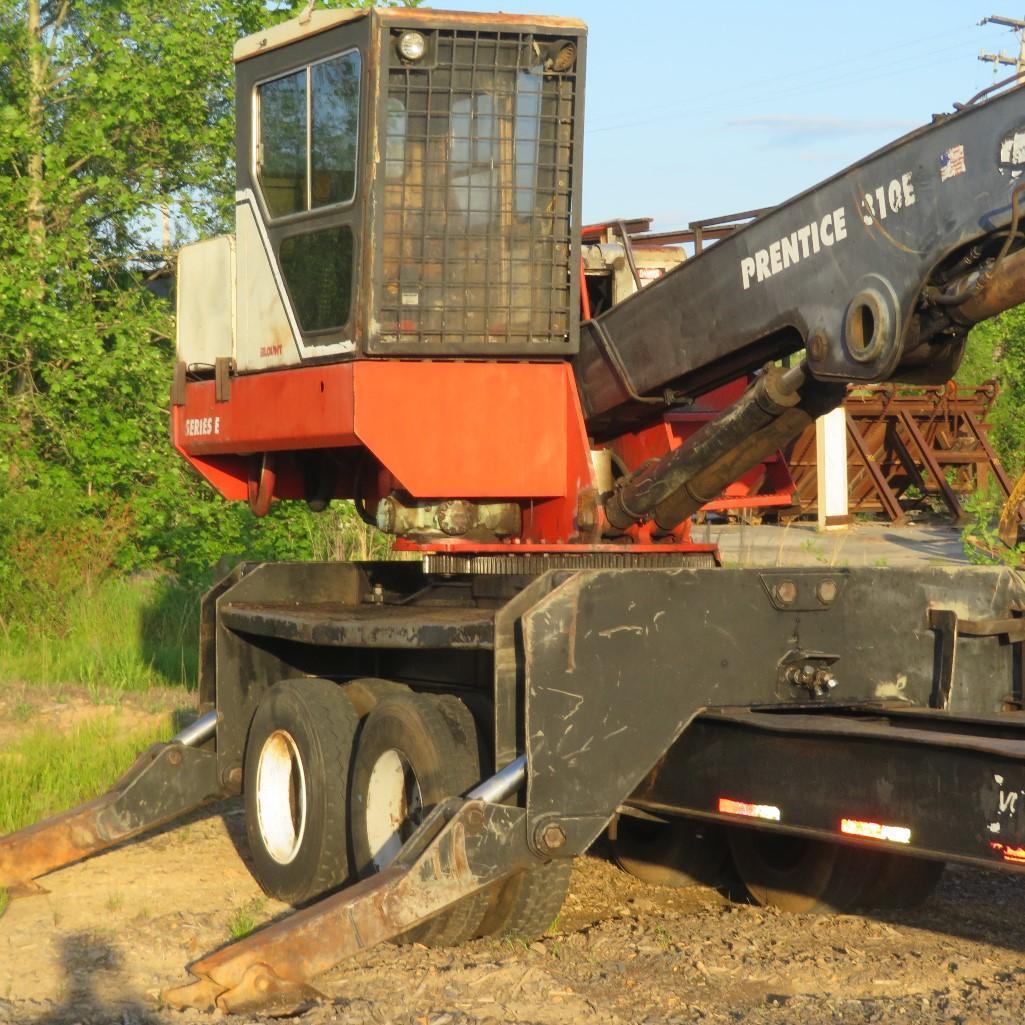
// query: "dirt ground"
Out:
[112,933]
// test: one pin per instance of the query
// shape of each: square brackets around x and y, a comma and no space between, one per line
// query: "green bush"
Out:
[112,117]
[119,634]
[83,597]
[980,537]
[996,349]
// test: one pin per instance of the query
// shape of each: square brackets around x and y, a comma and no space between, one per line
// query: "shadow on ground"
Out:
[86,958]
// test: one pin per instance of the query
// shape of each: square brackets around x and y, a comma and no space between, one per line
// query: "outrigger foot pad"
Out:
[463,846]
[267,992]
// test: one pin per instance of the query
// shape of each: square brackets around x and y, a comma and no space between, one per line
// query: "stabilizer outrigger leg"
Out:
[165,782]
[463,846]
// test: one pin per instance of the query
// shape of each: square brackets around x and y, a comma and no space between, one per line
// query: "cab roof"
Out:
[318,21]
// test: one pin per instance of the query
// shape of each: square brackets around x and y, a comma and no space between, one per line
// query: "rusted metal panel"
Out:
[929,460]
[981,434]
[890,501]
[931,439]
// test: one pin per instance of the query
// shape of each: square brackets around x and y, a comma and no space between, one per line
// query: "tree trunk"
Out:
[35,212]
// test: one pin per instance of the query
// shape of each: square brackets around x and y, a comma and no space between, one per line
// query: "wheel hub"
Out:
[281,797]
[394,806]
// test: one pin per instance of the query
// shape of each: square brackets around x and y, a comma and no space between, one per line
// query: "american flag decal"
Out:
[952,163]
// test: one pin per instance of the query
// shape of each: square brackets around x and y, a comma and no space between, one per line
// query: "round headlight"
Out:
[412,46]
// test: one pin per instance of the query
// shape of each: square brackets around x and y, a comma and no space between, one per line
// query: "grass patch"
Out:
[45,772]
[118,634]
[5,899]
[246,918]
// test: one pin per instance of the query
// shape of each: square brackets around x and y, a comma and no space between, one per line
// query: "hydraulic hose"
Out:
[775,409]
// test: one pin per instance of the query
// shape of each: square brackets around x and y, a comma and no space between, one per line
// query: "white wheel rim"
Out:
[394,806]
[281,797]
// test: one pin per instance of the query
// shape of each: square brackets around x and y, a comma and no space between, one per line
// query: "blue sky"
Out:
[696,109]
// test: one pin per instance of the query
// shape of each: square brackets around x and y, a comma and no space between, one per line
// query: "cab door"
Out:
[299,203]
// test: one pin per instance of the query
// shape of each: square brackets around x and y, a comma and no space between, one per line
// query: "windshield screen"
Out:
[477,204]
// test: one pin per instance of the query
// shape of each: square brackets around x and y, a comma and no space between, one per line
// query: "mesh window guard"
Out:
[477,208]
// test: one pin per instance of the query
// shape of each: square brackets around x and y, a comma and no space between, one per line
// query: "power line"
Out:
[805,76]
[890,69]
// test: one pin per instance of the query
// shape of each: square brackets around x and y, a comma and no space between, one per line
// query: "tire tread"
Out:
[527,904]
[447,726]
[332,723]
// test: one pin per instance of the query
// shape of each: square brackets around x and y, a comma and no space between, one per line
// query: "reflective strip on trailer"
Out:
[751,811]
[875,830]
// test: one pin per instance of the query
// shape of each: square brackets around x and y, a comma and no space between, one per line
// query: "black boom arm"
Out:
[877,274]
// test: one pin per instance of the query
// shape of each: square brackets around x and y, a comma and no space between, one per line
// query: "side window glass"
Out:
[528,135]
[281,162]
[481,124]
[318,272]
[335,117]
[309,128]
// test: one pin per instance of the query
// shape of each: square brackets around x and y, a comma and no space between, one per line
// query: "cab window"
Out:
[318,273]
[308,129]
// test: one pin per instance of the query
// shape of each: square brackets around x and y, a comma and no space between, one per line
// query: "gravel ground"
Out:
[112,933]
[862,544]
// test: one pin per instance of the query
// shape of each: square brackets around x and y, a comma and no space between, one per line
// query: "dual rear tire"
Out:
[331,794]
[335,784]
[296,783]
[804,875]
[793,873]
[413,752]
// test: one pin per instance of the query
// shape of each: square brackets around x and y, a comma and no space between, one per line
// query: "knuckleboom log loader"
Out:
[402,319]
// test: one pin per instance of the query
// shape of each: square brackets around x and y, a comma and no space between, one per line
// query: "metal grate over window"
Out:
[477,207]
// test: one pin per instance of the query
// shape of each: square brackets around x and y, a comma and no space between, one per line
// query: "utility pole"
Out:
[1018,63]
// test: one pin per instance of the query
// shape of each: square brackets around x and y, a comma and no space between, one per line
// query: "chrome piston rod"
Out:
[196,733]
[503,784]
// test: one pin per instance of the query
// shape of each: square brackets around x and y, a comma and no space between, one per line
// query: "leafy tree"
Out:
[116,136]
[996,349]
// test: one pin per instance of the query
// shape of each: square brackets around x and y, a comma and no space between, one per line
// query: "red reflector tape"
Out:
[1015,855]
[751,811]
[875,830]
